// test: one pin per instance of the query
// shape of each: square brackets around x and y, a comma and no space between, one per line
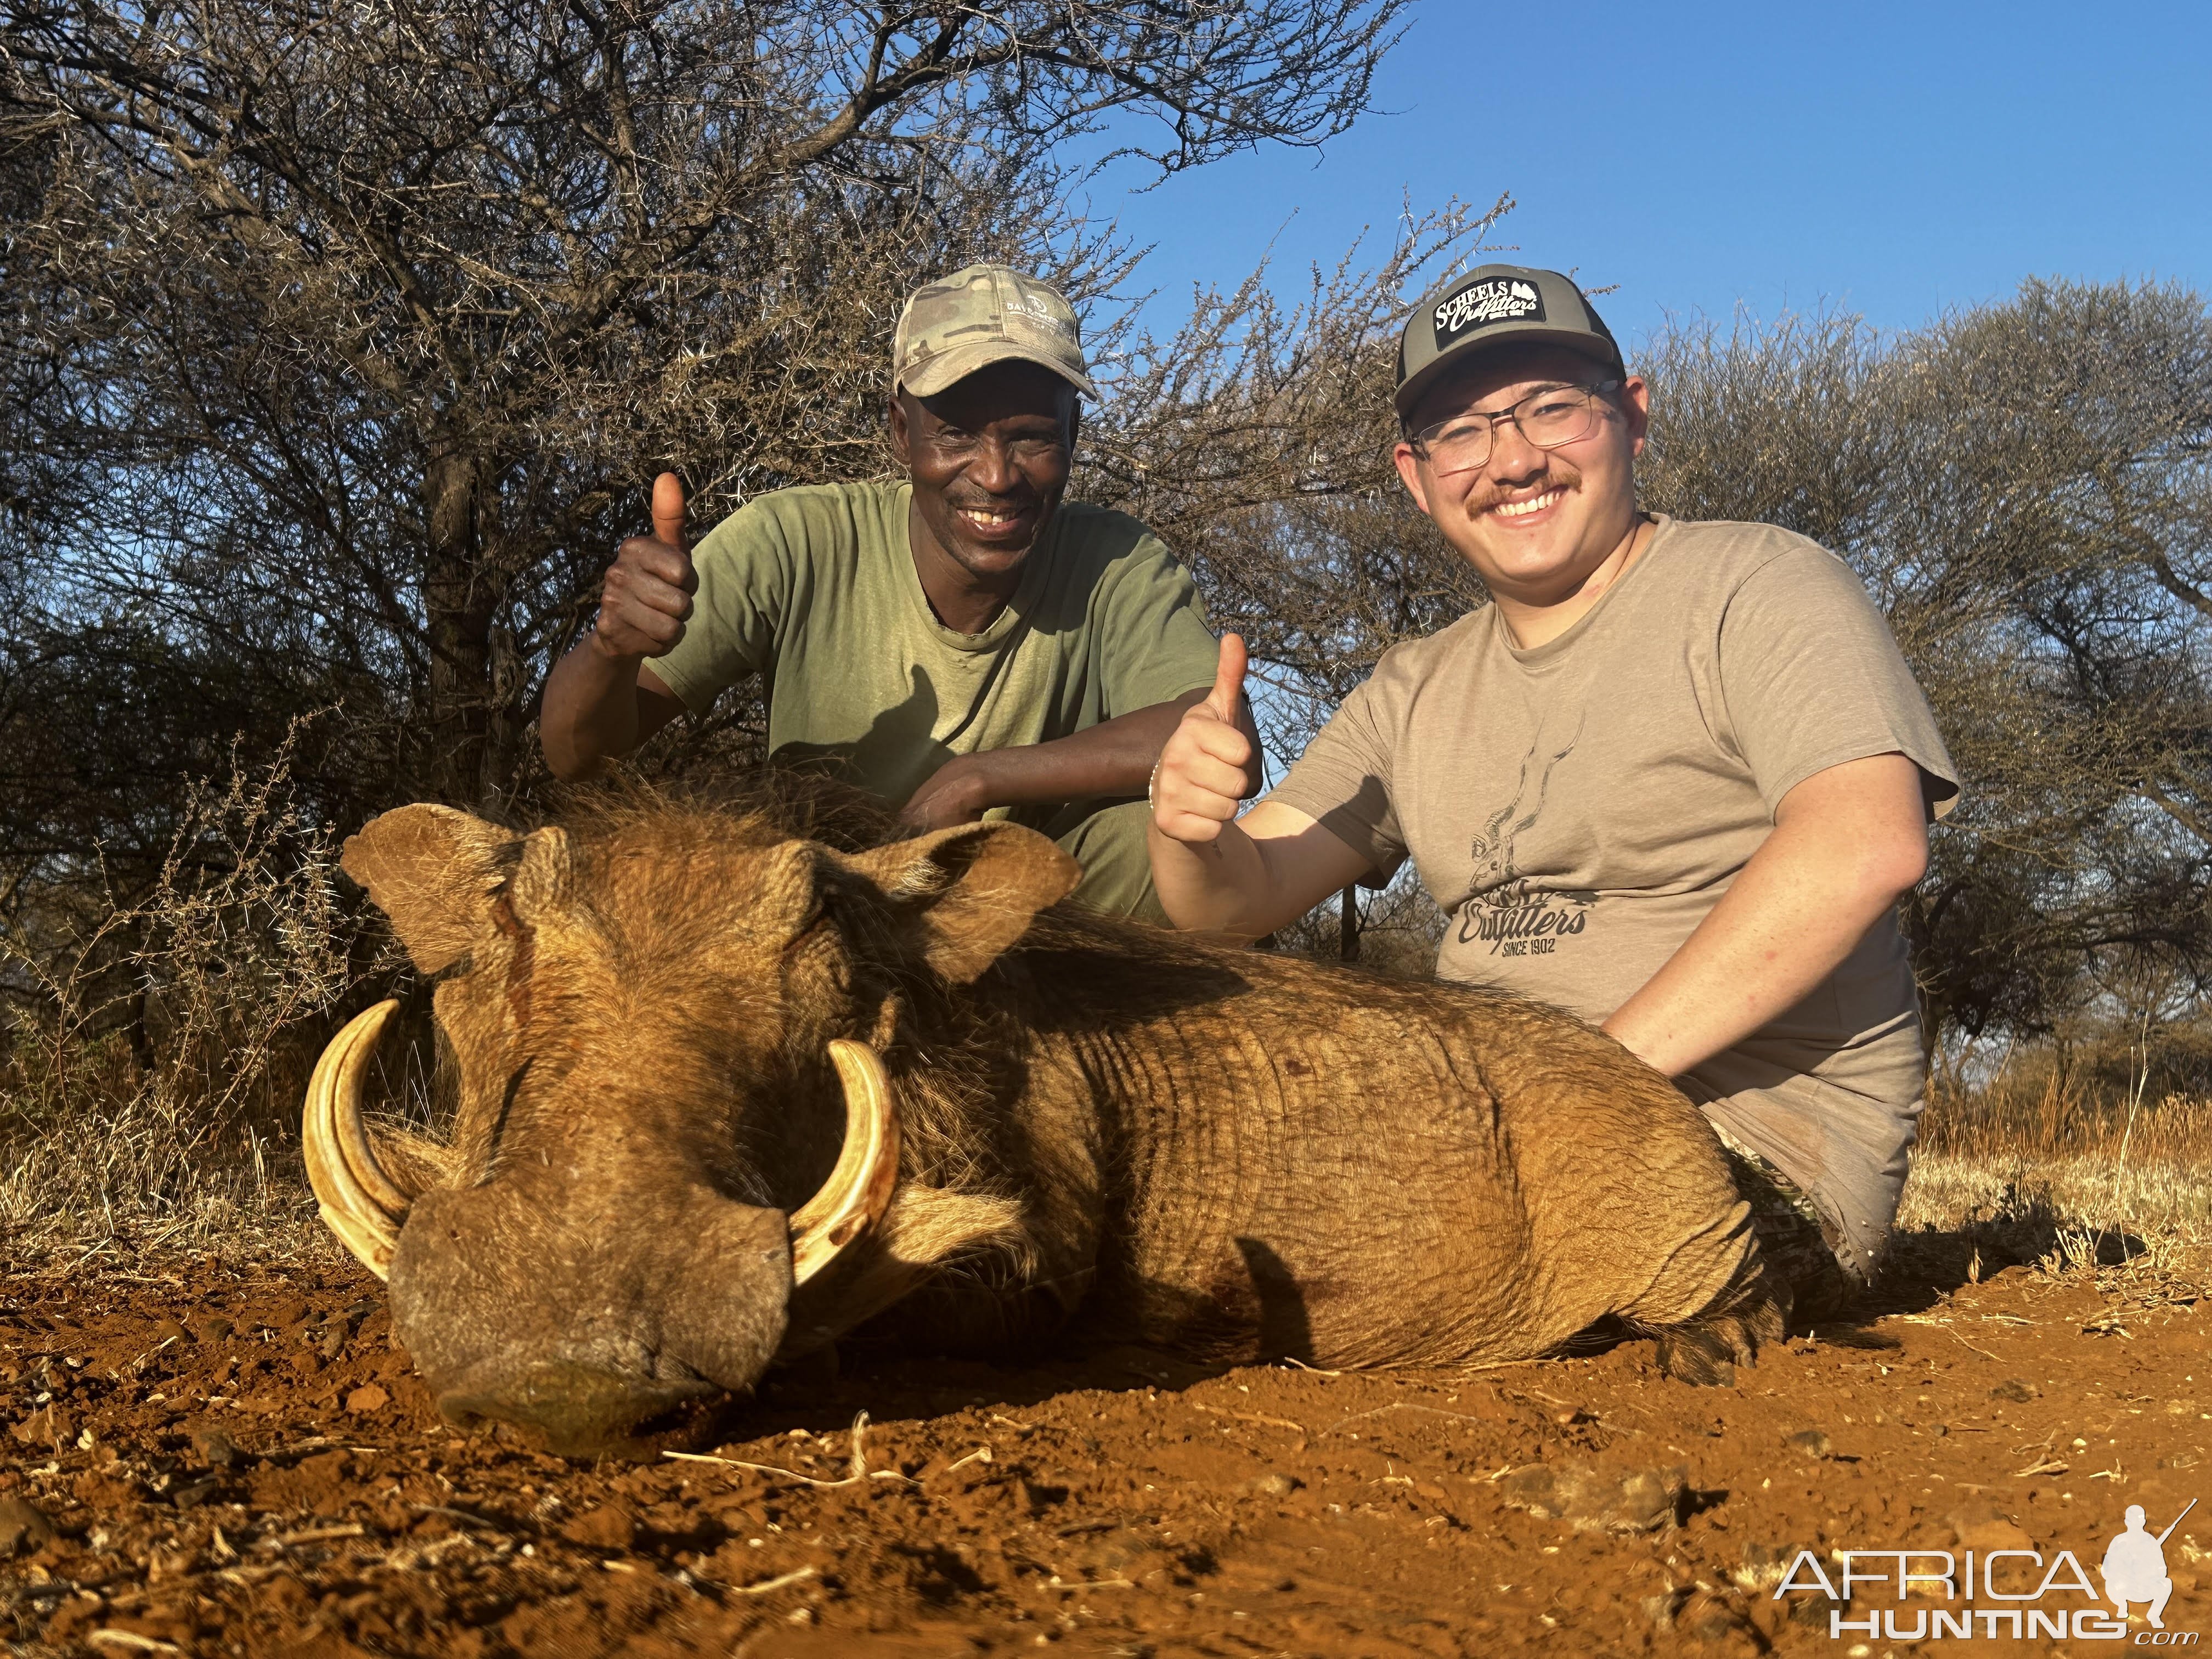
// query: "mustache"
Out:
[1559,475]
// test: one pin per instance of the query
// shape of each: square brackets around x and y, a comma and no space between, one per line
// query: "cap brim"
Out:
[1509,334]
[927,379]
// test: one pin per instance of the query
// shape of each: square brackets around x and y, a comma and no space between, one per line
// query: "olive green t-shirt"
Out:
[815,590]
[1578,807]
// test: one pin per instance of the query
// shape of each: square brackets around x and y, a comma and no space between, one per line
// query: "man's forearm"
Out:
[1796,910]
[1259,873]
[590,713]
[1848,842]
[1219,886]
[1113,758]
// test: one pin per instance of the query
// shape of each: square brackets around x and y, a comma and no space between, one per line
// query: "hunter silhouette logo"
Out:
[2135,1566]
[2035,1598]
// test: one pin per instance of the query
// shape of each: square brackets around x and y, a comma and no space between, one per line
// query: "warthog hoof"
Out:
[1706,1354]
[578,1411]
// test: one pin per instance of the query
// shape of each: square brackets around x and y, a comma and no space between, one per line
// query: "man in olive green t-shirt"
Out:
[962,645]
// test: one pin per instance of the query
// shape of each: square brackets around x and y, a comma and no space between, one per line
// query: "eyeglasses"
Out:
[1557,414]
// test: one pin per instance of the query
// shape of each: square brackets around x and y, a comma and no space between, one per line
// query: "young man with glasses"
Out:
[1675,776]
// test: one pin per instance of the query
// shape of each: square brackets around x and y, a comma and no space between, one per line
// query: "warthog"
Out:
[726,1093]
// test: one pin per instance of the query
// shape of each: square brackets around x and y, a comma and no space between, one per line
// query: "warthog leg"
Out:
[1706,1352]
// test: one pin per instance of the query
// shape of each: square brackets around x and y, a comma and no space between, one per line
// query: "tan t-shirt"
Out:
[815,590]
[1578,808]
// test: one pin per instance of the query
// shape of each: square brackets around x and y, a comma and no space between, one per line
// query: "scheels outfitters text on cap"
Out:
[1493,306]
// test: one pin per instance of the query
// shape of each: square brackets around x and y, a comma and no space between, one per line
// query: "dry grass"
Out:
[152,1073]
[2048,1116]
[2100,1159]
[2161,1198]
[2078,1181]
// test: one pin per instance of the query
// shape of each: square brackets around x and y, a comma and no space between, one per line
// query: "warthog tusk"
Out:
[359,1201]
[859,1188]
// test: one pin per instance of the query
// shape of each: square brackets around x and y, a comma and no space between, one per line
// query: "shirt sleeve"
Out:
[1343,780]
[746,574]
[1812,678]
[1154,642]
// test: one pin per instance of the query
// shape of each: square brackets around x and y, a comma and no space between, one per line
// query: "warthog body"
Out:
[1224,1152]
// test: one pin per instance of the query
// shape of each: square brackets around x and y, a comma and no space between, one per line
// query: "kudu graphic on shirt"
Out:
[1502,906]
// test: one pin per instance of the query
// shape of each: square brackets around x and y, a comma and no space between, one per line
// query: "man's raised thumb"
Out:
[1228,679]
[668,509]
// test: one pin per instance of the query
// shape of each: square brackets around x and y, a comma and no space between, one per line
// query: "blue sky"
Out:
[1891,160]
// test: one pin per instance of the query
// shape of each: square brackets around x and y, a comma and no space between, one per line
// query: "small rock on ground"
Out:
[23,1527]
[218,1448]
[1640,1500]
[1812,1442]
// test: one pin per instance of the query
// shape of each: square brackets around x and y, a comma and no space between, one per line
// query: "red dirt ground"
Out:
[235,1460]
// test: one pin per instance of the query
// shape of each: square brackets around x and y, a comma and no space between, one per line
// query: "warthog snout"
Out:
[579,1412]
[597,1339]
[600,1287]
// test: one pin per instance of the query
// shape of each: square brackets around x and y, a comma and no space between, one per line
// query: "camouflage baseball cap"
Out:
[1493,306]
[982,315]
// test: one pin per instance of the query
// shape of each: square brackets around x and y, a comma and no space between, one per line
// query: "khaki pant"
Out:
[1108,840]
[1796,1240]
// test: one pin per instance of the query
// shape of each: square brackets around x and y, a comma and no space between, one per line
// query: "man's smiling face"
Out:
[989,457]
[1535,523]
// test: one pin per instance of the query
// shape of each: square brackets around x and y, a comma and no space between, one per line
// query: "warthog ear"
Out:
[973,889]
[433,871]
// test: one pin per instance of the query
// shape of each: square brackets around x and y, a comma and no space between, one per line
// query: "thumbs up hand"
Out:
[1202,770]
[646,596]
